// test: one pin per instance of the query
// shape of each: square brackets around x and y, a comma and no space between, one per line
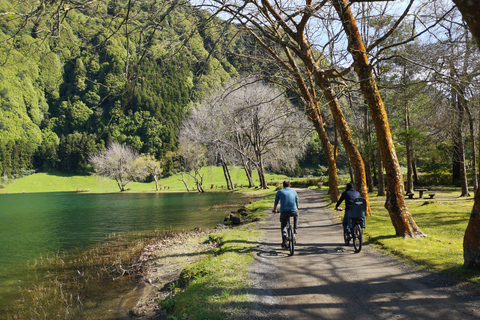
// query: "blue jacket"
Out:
[288,199]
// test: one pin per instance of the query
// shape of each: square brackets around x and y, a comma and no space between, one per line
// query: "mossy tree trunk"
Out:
[471,242]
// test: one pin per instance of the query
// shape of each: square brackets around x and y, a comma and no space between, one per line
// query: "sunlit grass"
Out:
[443,219]
[217,286]
[214,180]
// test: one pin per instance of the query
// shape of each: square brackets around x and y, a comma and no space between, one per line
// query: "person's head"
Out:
[349,186]
[286,184]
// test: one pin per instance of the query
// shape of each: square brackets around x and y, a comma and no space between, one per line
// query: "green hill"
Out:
[69,88]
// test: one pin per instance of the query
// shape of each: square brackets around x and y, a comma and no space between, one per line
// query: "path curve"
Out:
[326,280]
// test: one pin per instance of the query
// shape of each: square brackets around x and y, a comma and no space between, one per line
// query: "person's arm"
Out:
[296,201]
[277,199]
[339,201]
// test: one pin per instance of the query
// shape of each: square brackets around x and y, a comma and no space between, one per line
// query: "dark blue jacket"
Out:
[348,196]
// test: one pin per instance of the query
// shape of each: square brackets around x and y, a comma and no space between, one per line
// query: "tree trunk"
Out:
[367,158]
[229,177]
[471,14]
[248,172]
[381,180]
[261,171]
[198,183]
[184,182]
[356,161]
[414,169]
[471,242]
[456,163]
[327,149]
[316,117]
[409,188]
[226,174]
[156,182]
[401,218]
[474,148]
[459,144]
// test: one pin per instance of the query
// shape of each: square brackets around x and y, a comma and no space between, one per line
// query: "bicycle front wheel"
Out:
[357,238]
[291,242]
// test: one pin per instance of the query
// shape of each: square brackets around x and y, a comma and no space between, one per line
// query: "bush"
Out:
[434,179]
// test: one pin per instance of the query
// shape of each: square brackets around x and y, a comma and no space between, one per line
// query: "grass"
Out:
[216,287]
[59,182]
[443,219]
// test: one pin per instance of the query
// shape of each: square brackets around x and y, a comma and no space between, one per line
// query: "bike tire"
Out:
[357,238]
[345,238]
[291,240]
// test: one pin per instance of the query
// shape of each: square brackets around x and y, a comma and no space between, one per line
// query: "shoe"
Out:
[295,232]
[284,244]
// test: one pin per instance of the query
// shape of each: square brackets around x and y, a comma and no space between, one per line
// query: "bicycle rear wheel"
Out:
[291,240]
[357,237]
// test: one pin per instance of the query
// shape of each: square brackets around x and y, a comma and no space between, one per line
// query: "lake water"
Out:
[34,225]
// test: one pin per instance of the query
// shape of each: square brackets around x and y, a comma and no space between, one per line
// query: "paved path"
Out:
[327,280]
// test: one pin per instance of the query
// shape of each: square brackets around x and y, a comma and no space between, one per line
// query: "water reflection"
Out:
[32,225]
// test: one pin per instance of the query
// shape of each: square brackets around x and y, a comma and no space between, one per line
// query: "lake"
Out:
[38,224]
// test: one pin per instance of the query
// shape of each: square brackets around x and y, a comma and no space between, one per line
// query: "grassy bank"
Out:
[444,220]
[214,180]
[216,287]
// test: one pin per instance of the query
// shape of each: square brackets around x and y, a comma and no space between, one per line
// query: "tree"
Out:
[401,218]
[252,121]
[193,158]
[151,166]
[117,162]
[287,27]
[471,241]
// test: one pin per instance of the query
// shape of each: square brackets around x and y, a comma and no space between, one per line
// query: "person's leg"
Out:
[295,221]
[345,223]
[283,226]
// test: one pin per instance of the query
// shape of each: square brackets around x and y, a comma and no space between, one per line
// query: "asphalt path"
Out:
[325,279]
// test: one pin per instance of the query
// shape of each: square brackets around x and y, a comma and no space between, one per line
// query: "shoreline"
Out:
[156,283]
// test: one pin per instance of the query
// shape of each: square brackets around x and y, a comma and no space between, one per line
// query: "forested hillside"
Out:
[68,89]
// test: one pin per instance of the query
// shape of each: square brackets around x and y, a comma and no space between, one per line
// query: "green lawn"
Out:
[58,182]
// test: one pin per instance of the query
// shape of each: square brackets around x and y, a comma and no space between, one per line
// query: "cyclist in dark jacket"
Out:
[348,195]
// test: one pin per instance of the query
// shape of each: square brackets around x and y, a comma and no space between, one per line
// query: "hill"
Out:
[101,73]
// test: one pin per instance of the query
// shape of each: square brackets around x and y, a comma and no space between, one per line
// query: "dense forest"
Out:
[66,93]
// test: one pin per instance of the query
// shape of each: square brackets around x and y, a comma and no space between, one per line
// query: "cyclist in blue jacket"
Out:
[288,199]
[348,195]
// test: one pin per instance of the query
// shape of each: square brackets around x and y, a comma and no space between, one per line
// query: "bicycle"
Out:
[291,241]
[356,221]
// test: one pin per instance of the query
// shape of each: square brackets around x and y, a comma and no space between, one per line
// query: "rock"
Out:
[233,218]
[197,229]
[242,211]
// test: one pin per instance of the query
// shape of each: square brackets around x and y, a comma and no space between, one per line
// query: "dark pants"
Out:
[345,223]
[284,217]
